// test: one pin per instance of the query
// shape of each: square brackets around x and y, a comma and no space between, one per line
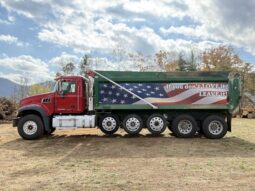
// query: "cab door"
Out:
[66,97]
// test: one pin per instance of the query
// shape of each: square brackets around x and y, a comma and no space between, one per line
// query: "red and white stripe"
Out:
[191,96]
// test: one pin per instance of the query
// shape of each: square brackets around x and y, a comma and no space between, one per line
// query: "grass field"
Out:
[85,159]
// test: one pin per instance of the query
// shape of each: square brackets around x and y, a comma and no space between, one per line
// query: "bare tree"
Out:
[140,61]
[248,77]
[167,61]
[58,74]
[120,53]
[23,88]
[68,68]
[222,58]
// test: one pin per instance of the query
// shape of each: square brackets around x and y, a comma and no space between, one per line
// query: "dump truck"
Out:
[186,102]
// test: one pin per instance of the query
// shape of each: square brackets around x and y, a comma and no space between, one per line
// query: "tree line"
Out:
[221,58]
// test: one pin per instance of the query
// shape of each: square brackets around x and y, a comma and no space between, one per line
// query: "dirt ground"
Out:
[85,159]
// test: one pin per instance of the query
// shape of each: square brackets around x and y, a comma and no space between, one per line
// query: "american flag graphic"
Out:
[164,93]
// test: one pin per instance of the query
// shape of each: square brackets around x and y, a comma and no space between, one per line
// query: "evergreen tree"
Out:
[182,64]
[192,65]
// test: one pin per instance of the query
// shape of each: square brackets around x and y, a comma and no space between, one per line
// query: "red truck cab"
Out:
[68,97]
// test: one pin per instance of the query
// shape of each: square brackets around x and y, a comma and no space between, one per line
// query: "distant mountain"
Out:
[7,87]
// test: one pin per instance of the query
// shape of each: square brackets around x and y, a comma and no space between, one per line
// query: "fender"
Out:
[41,111]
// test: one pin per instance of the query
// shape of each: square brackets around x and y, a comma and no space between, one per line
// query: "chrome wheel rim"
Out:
[215,127]
[156,123]
[185,126]
[30,127]
[133,124]
[109,123]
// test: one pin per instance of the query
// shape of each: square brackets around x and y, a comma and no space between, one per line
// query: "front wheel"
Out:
[30,127]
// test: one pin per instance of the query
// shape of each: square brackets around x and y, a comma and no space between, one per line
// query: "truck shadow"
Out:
[122,146]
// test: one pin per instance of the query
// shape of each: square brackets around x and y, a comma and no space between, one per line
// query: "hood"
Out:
[36,99]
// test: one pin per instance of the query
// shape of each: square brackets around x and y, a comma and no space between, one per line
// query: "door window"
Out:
[67,87]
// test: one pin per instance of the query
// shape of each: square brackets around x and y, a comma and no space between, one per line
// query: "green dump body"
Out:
[168,91]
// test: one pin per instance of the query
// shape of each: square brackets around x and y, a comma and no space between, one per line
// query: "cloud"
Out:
[107,36]
[58,62]
[12,40]
[10,20]
[163,9]
[8,39]
[24,66]
[198,32]
[64,58]
[94,29]
[31,9]
[229,21]
[2,21]
[146,26]
[34,69]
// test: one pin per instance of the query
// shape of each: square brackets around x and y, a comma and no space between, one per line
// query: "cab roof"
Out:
[69,77]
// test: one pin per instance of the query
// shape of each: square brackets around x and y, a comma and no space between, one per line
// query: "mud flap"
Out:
[15,122]
[229,122]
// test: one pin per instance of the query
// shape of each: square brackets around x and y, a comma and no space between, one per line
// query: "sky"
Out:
[38,35]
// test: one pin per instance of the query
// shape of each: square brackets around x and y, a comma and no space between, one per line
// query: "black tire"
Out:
[30,127]
[184,126]
[219,125]
[109,124]
[156,124]
[133,124]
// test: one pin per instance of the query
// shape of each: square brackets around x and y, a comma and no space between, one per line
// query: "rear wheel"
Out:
[184,126]
[109,124]
[132,124]
[214,127]
[30,127]
[156,124]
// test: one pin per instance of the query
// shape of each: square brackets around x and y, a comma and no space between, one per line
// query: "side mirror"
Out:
[60,90]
